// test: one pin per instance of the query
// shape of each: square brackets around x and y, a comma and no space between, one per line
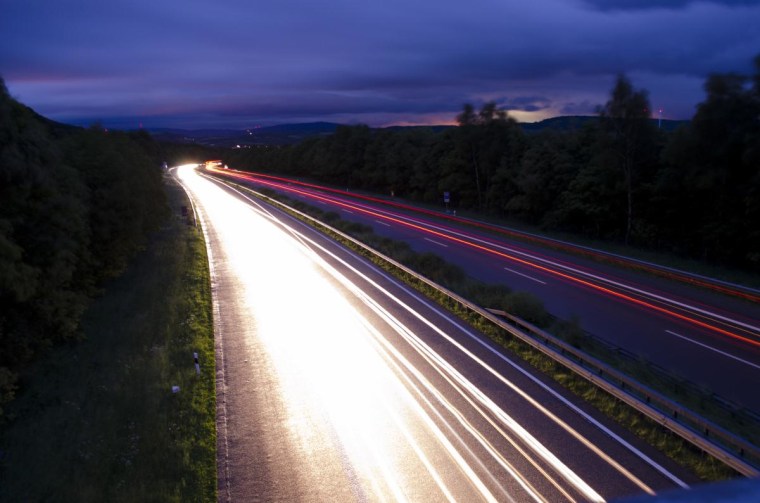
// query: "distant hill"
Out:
[288,134]
[575,122]
[434,128]
[304,128]
[565,123]
[282,134]
[55,129]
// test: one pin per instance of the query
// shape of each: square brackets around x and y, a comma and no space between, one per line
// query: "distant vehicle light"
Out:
[214,164]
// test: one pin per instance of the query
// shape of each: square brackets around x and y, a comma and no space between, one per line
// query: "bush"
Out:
[527,307]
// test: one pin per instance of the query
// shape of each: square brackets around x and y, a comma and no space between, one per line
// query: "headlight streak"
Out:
[364,448]
[392,357]
[524,395]
[694,310]
[506,465]
[442,439]
[420,454]
[453,453]
[438,363]
[382,462]
[709,283]
[432,359]
[503,358]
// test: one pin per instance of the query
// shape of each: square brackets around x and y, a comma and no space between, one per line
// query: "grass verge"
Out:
[97,420]
[684,453]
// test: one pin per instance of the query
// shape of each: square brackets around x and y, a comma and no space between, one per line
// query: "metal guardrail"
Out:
[742,456]
[720,443]
[691,391]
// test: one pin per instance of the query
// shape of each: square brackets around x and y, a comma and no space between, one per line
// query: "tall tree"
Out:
[490,142]
[629,136]
[714,171]
[467,121]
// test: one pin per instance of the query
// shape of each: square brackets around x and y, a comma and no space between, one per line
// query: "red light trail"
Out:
[278,184]
[616,259]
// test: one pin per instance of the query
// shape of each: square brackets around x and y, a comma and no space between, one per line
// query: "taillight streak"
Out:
[660,271]
[574,279]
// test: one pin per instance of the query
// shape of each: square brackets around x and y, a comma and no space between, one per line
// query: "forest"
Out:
[694,192]
[76,206]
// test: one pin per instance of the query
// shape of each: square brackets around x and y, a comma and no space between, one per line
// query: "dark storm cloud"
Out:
[245,61]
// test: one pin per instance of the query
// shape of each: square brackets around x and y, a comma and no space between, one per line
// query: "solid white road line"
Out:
[587,274]
[728,355]
[436,243]
[488,347]
[525,276]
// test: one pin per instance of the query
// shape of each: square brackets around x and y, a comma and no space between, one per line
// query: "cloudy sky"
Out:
[241,63]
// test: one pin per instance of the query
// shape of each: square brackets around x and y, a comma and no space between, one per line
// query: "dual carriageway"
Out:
[324,355]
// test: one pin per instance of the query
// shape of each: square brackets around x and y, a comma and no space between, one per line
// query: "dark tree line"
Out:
[75,205]
[694,192]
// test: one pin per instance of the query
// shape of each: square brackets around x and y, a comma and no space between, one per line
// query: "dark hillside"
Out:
[77,204]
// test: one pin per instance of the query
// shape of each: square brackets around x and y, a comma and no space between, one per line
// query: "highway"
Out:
[336,383]
[703,335]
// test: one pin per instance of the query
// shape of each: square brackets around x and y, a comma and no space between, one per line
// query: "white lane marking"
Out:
[436,243]
[575,270]
[392,354]
[378,460]
[418,451]
[486,345]
[347,211]
[537,447]
[443,367]
[382,223]
[631,288]
[714,349]
[527,374]
[525,275]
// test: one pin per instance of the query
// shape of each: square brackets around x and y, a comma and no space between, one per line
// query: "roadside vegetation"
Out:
[104,298]
[97,420]
[77,205]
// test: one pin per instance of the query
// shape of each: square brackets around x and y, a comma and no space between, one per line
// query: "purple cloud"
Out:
[238,62]
[609,5]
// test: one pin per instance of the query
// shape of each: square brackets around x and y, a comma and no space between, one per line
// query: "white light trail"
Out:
[355,341]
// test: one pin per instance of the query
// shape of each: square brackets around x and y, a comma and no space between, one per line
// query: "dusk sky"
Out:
[240,63]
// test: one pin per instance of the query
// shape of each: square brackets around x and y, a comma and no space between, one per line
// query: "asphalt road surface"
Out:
[336,383]
[704,336]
